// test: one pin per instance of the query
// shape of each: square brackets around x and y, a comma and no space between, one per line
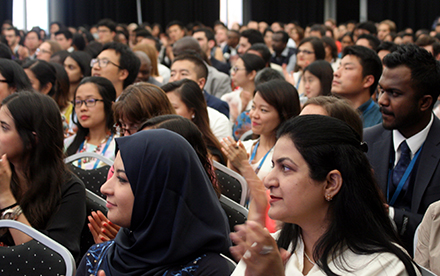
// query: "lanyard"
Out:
[370,106]
[102,153]
[254,152]
[402,180]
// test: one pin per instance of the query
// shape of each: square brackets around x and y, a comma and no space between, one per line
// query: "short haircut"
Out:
[106,22]
[390,24]
[372,40]
[369,26]
[267,74]
[127,60]
[425,79]
[208,33]
[16,31]
[200,67]
[176,22]
[34,31]
[253,36]
[425,40]
[279,23]
[369,60]
[387,46]
[141,32]
[263,50]
[67,34]
[318,28]
[284,36]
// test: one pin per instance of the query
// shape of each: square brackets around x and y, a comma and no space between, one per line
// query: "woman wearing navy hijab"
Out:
[172,222]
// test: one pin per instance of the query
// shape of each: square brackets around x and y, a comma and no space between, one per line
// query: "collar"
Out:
[365,105]
[414,142]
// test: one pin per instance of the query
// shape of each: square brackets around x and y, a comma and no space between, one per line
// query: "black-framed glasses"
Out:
[88,102]
[122,128]
[305,52]
[5,81]
[235,69]
[103,63]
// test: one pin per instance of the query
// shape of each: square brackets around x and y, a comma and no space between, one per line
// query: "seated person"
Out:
[35,186]
[166,227]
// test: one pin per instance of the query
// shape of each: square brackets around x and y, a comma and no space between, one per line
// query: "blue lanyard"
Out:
[254,152]
[370,106]
[109,140]
[402,180]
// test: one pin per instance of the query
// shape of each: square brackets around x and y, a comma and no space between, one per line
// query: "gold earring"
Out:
[328,197]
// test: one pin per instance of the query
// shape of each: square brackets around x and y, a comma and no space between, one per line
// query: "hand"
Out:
[288,75]
[101,228]
[101,273]
[235,152]
[6,196]
[261,254]
[387,208]
[23,52]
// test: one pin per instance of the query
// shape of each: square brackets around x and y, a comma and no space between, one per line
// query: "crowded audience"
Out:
[326,195]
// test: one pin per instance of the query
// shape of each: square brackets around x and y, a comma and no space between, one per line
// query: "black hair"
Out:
[324,72]
[106,22]
[192,134]
[372,40]
[425,79]
[282,96]
[267,74]
[142,32]
[79,42]
[341,149]
[387,46]
[284,36]
[192,96]
[369,26]
[200,66]
[369,60]
[44,72]
[253,36]
[318,28]
[108,94]
[38,123]
[252,62]
[208,33]
[62,86]
[263,50]
[15,75]
[127,60]
[176,22]
[83,60]
[67,34]
[328,41]
[36,32]
[5,51]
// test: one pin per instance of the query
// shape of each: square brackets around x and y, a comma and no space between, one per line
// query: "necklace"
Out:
[308,258]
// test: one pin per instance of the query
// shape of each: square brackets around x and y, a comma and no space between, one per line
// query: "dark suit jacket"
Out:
[216,103]
[221,66]
[426,179]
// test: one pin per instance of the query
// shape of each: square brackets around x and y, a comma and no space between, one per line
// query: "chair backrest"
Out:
[40,256]
[247,135]
[232,184]
[426,272]
[236,213]
[88,154]
[231,263]
[93,203]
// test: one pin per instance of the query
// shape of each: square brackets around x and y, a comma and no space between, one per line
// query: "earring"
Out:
[193,116]
[328,197]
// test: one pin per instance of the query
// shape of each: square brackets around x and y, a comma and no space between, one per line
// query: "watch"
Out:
[12,213]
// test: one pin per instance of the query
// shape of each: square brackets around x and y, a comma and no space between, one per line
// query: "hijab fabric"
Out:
[176,215]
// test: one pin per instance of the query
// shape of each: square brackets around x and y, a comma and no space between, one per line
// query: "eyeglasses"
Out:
[88,102]
[5,81]
[43,51]
[235,69]
[103,63]
[305,52]
[122,128]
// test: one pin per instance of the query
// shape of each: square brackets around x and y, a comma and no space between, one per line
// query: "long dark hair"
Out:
[357,217]
[108,94]
[192,96]
[38,122]
[192,134]
[15,75]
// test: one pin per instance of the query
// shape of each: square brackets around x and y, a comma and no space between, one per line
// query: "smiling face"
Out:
[306,55]
[119,195]
[294,196]
[10,140]
[90,116]
[264,117]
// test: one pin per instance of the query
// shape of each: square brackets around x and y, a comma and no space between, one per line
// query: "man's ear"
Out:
[425,102]
[368,81]
[211,44]
[123,74]
[201,82]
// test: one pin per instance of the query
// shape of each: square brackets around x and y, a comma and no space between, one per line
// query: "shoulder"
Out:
[370,133]
[216,116]
[68,141]
[72,184]
[90,263]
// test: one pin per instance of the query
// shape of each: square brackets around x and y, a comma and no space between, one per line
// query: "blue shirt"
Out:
[371,114]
